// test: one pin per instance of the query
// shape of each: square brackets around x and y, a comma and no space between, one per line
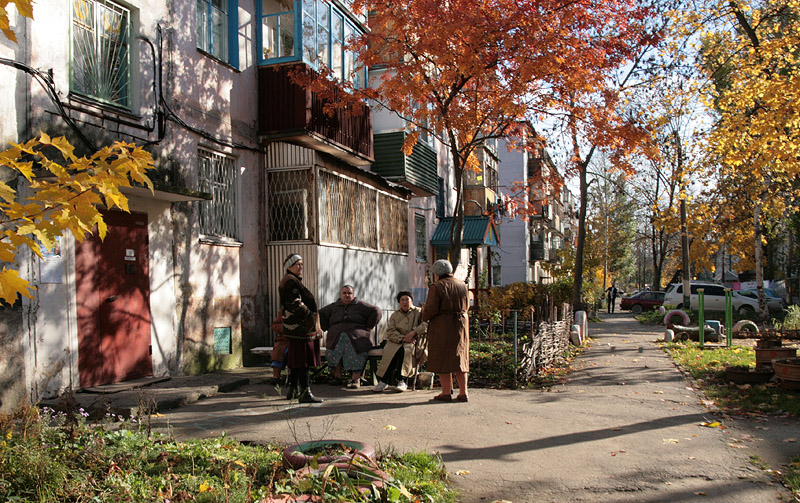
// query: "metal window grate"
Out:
[394,223]
[420,238]
[290,207]
[218,177]
[100,52]
[347,210]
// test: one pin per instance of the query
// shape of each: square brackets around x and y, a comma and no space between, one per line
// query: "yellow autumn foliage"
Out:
[64,193]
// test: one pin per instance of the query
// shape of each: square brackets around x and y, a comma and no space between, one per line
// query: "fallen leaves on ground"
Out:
[713,424]
[671,441]
[463,472]
[390,427]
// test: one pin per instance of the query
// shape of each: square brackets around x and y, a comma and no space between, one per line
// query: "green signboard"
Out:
[222,341]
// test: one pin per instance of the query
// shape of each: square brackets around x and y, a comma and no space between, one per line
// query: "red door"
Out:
[113,299]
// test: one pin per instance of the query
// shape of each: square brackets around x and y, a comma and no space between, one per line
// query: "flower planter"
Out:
[764,356]
[325,452]
[747,375]
[788,371]
[768,343]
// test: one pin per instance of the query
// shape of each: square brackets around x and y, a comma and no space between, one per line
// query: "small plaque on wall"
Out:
[222,341]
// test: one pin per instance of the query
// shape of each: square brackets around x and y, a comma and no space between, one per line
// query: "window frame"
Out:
[125,102]
[420,238]
[323,11]
[208,182]
[230,52]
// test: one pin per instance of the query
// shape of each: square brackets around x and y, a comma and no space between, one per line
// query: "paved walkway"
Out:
[625,427]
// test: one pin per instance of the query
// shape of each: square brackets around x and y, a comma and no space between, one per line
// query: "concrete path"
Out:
[626,426]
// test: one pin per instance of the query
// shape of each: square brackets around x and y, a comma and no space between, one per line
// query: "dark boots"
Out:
[293,379]
[305,387]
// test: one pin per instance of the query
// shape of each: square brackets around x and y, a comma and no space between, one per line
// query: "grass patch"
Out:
[708,366]
[47,456]
[792,477]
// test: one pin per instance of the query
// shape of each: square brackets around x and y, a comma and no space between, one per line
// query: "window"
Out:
[440,199]
[497,277]
[218,176]
[324,30]
[421,238]
[277,29]
[101,51]
[217,25]
[350,212]
[290,205]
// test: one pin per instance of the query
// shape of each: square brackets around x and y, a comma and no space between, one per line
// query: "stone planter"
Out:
[788,371]
[747,375]
[764,356]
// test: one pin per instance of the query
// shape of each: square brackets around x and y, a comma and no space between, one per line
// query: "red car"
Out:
[642,301]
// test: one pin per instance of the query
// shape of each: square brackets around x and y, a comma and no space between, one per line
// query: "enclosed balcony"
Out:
[288,112]
[417,171]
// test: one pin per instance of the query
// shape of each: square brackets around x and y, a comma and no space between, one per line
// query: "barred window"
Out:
[290,207]
[218,176]
[100,51]
[421,238]
[394,223]
[349,213]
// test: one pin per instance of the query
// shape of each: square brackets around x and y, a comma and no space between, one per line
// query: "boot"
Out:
[293,378]
[305,388]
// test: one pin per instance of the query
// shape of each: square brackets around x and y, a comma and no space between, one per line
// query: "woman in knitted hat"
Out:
[301,327]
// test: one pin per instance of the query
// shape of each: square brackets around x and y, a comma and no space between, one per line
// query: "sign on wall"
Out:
[222,340]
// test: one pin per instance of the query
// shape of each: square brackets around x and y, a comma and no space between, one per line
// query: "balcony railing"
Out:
[290,113]
[416,171]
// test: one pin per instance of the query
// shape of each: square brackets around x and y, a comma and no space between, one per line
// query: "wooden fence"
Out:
[507,351]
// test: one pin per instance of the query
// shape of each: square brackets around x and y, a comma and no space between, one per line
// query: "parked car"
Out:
[774,302]
[642,301]
[713,298]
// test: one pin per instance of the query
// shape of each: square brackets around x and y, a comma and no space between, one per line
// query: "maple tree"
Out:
[465,71]
[751,55]
[63,192]
[64,196]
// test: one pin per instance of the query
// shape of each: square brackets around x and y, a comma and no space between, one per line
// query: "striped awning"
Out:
[478,231]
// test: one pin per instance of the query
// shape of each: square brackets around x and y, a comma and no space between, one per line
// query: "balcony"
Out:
[287,112]
[417,171]
[484,196]
[553,254]
[539,252]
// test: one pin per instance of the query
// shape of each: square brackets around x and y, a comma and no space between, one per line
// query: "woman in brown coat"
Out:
[448,330]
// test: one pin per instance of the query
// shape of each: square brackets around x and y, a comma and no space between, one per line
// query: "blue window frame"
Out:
[317,36]
[218,28]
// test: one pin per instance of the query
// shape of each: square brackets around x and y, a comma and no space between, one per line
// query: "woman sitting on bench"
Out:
[405,342]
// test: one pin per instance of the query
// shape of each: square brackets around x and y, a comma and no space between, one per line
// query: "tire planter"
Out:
[676,312]
[299,455]
[744,325]
[746,375]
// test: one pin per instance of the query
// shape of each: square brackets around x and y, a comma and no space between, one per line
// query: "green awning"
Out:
[478,231]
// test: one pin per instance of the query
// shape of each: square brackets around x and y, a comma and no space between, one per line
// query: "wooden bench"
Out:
[374,356]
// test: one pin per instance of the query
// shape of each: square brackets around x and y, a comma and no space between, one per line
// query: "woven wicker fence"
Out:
[503,357]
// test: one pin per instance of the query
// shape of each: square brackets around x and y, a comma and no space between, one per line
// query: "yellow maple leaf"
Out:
[11,284]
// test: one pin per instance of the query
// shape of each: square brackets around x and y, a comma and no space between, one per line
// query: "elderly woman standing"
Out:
[445,311]
[301,327]
[405,337]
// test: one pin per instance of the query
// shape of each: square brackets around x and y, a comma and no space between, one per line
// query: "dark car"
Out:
[642,301]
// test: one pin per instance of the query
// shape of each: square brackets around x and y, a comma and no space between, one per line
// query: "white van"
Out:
[713,298]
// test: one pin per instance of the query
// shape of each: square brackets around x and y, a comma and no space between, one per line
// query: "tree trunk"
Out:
[762,301]
[687,277]
[577,283]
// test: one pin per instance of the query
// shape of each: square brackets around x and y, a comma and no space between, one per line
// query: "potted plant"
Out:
[744,374]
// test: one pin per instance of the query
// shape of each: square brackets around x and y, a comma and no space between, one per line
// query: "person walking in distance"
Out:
[611,293]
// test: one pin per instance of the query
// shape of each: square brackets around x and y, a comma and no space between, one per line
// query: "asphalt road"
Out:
[626,426]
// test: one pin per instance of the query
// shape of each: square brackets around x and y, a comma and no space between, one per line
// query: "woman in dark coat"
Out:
[301,327]
[445,311]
